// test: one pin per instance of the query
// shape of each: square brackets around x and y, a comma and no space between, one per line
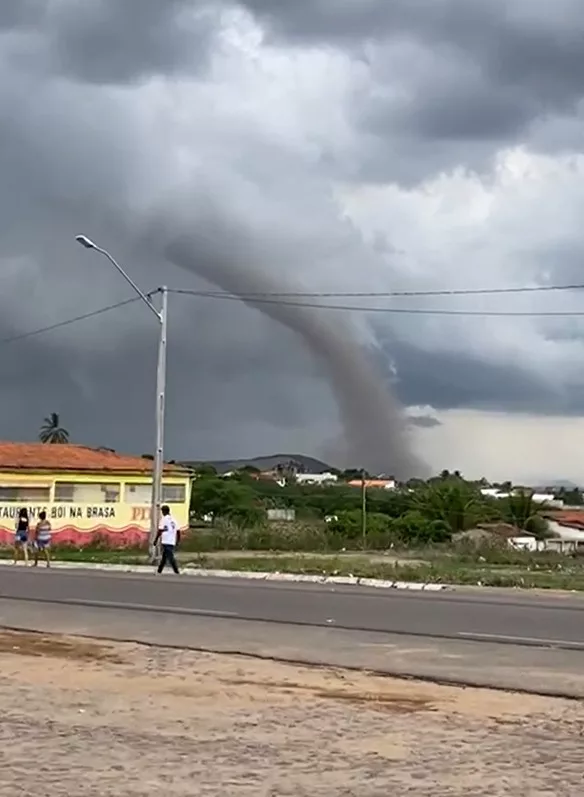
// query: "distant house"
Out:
[88,494]
[547,499]
[494,492]
[374,484]
[316,478]
[270,476]
[566,524]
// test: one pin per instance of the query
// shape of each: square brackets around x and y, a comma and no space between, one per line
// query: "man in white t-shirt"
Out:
[168,536]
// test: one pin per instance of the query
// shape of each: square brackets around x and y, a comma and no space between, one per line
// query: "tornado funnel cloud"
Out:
[374,426]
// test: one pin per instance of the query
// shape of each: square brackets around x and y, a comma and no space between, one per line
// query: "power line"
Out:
[262,299]
[382,294]
[257,299]
[68,321]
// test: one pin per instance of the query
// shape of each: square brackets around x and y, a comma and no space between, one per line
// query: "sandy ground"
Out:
[82,718]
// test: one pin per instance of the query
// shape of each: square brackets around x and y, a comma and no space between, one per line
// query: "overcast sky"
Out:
[356,146]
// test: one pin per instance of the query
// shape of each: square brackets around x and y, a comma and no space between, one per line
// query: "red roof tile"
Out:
[55,457]
[567,517]
[371,483]
[566,514]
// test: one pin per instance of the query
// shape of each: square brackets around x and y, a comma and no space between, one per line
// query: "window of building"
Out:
[26,493]
[173,493]
[138,493]
[87,492]
[142,493]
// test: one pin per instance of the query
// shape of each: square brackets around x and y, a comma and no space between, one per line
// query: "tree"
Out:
[572,497]
[349,526]
[246,515]
[224,498]
[352,474]
[414,528]
[521,510]
[455,502]
[51,431]
[206,471]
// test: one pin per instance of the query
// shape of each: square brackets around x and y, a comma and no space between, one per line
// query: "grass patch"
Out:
[494,567]
[567,576]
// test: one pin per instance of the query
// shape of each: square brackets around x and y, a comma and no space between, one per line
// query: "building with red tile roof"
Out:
[89,494]
[51,457]
[570,518]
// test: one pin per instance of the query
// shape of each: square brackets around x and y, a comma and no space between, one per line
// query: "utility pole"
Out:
[162,317]
[363,510]
[160,407]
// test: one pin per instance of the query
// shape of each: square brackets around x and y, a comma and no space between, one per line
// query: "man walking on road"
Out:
[168,536]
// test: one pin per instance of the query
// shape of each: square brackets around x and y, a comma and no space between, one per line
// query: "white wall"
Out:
[565,533]
[315,478]
[524,543]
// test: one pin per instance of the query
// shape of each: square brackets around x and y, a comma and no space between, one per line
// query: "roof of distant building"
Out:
[371,483]
[57,457]
[567,517]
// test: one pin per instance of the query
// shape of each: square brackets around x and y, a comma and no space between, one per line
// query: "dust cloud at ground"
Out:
[93,719]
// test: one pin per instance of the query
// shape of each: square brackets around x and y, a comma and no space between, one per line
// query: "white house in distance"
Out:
[316,478]
[567,524]
[549,499]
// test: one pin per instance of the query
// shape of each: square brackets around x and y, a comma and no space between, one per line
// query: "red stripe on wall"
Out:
[70,535]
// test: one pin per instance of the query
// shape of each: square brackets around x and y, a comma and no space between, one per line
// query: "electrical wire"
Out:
[69,321]
[257,299]
[262,298]
[382,294]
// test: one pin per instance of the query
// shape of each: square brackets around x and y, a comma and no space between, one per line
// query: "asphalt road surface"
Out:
[514,618]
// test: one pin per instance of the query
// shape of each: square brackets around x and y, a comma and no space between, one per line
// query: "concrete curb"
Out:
[257,576]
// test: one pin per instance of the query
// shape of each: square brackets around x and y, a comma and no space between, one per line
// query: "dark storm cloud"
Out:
[17,13]
[534,45]
[110,41]
[75,158]
[423,421]
[216,248]
[446,72]
[454,380]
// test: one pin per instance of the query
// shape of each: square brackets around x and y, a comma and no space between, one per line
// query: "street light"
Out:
[162,316]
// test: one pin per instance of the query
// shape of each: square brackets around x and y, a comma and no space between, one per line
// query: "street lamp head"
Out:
[84,241]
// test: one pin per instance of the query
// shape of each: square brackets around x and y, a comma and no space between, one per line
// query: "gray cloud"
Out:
[20,13]
[64,182]
[454,380]
[464,70]
[79,155]
[534,46]
[215,248]
[423,421]
[110,41]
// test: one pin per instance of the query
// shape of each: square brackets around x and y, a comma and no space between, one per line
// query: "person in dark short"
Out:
[21,536]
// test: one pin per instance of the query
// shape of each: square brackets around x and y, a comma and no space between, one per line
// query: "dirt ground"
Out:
[85,718]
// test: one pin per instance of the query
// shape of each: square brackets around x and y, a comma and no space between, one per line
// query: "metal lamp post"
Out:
[162,316]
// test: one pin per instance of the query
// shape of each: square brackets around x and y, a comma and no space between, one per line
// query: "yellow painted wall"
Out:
[129,512]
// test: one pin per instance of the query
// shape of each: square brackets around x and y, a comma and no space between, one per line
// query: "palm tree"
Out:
[51,431]
[522,511]
[454,502]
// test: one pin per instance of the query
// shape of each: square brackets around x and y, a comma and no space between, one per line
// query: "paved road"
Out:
[520,619]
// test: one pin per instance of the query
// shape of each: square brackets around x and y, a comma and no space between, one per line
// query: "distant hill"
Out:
[559,483]
[307,464]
